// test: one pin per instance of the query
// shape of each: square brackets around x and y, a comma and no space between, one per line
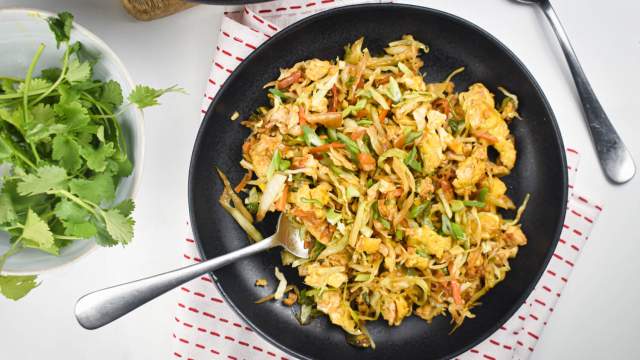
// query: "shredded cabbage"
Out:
[390,179]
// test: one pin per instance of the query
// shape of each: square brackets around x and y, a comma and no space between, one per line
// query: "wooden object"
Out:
[146,10]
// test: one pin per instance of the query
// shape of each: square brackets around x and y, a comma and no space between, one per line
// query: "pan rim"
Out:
[200,138]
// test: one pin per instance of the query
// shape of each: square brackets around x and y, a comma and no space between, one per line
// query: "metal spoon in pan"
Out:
[101,307]
[615,159]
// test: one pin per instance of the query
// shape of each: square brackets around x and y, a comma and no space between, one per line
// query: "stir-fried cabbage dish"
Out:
[395,181]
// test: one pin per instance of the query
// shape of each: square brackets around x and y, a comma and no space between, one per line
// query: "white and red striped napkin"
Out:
[206,327]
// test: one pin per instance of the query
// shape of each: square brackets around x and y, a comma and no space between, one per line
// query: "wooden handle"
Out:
[146,10]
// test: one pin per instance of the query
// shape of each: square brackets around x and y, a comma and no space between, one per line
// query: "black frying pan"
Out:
[454,42]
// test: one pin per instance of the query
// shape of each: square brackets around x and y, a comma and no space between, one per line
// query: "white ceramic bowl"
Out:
[22,32]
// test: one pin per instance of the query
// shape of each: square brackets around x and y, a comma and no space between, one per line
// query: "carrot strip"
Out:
[241,185]
[326,147]
[286,82]
[357,134]
[455,291]
[382,113]
[302,118]
[282,203]
[334,99]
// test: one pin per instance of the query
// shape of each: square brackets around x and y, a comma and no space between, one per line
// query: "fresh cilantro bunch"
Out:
[61,139]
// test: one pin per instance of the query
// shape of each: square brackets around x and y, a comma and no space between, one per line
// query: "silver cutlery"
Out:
[615,159]
[101,307]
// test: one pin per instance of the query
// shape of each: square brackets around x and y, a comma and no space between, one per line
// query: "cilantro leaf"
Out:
[144,96]
[96,190]
[51,74]
[46,178]
[121,168]
[61,27]
[126,207]
[67,151]
[111,94]
[120,228]
[7,212]
[78,71]
[83,230]
[36,234]
[72,114]
[41,124]
[16,287]
[36,84]
[96,158]
[69,211]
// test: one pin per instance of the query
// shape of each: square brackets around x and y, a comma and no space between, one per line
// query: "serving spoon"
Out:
[101,307]
[615,159]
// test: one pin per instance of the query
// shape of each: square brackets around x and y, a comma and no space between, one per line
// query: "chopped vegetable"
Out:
[390,179]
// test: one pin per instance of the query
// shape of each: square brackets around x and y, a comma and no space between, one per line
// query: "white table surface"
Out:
[597,315]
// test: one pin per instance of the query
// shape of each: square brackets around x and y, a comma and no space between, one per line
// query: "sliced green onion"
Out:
[274,165]
[457,205]
[412,160]
[456,125]
[284,164]
[277,93]
[331,132]
[351,145]
[412,136]
[399,235]
[473,203]
[416,210]
[446,225]
[393,90]
[310,137]
[456,231]
[482,194]
[333,217]
[365,122]
[385,223]
[362,277]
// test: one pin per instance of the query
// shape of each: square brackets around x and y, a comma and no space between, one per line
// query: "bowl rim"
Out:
[139,151]
[328,12]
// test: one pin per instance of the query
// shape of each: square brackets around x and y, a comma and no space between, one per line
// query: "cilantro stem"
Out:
[25,96]
[15,248]
[8,143]
[10,78]
[63,237]
[63,73]
[70,196]
[19,95]
[122,145]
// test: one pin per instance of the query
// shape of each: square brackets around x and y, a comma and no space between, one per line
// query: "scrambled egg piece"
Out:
[316,69]
[497,194]
[394,309]
[320,276]
[470,171]
[431,150]
[262,152]
[329,302]
[481,115]
[428,240]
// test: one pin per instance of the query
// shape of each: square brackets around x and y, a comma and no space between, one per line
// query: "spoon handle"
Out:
[615,159]
[101,307]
